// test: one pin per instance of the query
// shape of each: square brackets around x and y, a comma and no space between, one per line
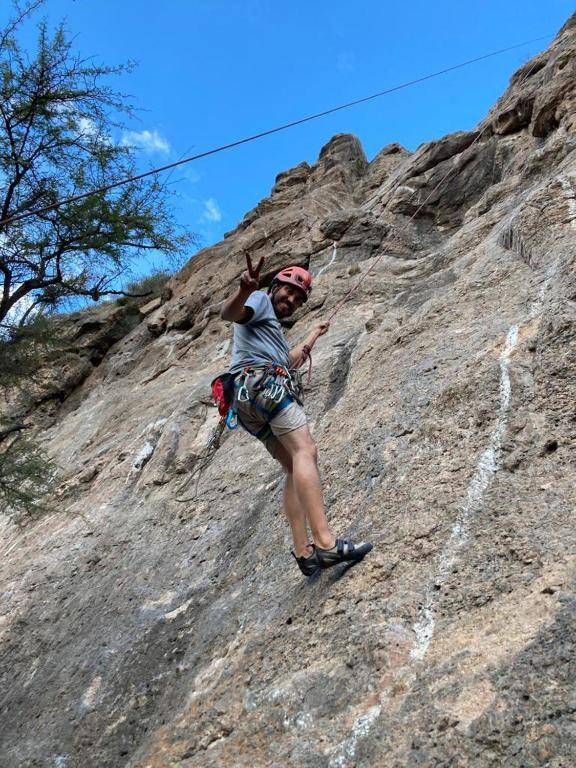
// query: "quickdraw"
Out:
[202,462]
[276,384]
[223,396]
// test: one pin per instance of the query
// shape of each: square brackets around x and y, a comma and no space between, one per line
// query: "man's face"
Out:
[286,300]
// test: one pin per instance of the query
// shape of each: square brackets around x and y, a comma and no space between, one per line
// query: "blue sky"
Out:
[212,71]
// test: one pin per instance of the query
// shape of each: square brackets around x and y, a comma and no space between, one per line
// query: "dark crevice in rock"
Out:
[545,121]
[511,240]
[436,152]
[528,70]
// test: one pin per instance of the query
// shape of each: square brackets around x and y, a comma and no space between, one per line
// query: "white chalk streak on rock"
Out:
[332,260]
[91,696]
[144,456]
[361,728]
[570,194]
[177,611]
[486,467]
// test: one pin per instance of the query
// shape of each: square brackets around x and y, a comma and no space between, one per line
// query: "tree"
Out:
[57,117]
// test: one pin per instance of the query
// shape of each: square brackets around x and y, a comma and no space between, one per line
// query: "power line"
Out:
[254,137]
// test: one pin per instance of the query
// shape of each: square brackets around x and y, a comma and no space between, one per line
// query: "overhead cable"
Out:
[402,229]
[254,137]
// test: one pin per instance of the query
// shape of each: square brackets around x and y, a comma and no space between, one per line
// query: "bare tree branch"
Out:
[12,26]
[6,431]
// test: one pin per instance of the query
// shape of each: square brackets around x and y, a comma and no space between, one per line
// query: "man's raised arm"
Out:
[296,352]
[233,310]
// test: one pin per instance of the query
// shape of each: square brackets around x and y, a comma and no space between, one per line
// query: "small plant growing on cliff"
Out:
[22,350]
[150,286]
[57,119]
[26,474]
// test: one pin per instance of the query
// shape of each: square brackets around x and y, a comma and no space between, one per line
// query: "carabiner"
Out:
[243,395]
[231,419]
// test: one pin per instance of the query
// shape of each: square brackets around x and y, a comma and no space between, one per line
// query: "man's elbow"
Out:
[236,316]
[226,314]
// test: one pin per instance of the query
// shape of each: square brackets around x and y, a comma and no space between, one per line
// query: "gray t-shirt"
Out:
[260,340]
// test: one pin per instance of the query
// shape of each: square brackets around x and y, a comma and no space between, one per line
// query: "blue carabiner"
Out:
[231,419]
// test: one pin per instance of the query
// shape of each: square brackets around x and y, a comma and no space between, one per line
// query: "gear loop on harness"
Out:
[276,385]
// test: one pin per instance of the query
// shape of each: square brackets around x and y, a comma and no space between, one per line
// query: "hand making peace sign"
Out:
[250,279]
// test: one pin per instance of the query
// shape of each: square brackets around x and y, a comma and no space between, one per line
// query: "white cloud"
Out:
[191,175]
[346,62]
[150,141]
[211,211]
[84,127]
[87,127]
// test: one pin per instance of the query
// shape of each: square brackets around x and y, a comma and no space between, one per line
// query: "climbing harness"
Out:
[276,388]
[276,384]
[268,389]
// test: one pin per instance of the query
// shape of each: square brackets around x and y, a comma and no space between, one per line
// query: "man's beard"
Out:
[281,308]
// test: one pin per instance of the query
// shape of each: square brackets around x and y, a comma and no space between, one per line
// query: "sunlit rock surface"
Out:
[142,631]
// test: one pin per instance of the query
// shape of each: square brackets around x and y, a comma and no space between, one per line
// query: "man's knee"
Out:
[299,443]
[308,449]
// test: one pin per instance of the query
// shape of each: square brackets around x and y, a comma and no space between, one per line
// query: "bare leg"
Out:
[302,451]
[292,507]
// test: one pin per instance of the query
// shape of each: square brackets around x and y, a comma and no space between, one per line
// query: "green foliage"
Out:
[57,119]
[151,285]
[22,350]
[58,116]
[26,475]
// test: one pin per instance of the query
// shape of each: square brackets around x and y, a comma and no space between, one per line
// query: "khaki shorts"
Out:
[257,418]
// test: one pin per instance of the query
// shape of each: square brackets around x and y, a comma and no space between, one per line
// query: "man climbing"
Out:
[269,407]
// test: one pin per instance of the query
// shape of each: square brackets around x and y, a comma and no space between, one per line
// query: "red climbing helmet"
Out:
[297,276]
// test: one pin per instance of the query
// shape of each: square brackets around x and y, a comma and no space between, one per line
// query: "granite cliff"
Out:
[141,631]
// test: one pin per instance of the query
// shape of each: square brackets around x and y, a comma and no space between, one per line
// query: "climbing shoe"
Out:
[308,565]
[342,552]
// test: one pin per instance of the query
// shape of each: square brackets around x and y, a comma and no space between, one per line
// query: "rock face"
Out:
[138,630]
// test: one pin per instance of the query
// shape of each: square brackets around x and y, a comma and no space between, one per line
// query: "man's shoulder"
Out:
[260,302]
[262,296]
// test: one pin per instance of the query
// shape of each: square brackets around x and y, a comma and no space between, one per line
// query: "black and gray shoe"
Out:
[308,565]
[343,551]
